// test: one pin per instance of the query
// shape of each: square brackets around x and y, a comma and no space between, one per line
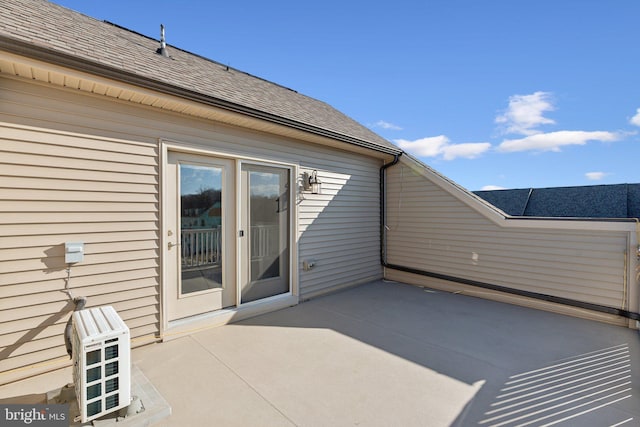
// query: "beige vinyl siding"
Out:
[431,230]
[103,189]
[338,228]
[56,188]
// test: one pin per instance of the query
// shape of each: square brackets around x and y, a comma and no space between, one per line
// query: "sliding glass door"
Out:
[227,233]
[265,231]
[200,250]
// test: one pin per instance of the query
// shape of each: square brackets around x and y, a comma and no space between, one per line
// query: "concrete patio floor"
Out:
[389,354]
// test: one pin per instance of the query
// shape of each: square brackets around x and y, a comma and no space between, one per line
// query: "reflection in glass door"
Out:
[200,228]
[200,220]
[266,224]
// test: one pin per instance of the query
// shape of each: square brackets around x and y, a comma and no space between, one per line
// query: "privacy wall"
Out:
[431,227]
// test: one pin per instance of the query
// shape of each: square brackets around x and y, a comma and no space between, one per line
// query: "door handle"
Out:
[170,245]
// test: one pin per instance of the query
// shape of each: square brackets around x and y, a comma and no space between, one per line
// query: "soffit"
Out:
[34,70]
[48,32]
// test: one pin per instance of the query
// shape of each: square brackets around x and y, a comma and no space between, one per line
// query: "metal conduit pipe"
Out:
[79,302]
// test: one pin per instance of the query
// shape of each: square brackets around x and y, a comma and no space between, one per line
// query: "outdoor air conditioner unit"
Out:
[101,362]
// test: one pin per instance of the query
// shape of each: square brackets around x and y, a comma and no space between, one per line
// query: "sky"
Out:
[195,179]
[492,94]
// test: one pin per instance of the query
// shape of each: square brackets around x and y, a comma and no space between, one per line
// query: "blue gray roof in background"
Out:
[593,201]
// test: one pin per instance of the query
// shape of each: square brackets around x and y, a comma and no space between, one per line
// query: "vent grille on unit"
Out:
[101,362]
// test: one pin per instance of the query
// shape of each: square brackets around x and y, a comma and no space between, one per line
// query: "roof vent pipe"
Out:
[163,44]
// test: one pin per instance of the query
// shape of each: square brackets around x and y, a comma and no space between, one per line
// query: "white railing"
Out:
[265,241]
[203,247]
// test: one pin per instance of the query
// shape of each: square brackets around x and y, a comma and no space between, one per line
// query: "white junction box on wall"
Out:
[73,252]
[101,362]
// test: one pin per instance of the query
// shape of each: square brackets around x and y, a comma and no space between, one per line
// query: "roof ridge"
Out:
[213,61]
[60,35]
[561,187]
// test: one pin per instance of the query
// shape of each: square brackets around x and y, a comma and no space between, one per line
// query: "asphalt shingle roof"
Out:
[57,29]
[593,201]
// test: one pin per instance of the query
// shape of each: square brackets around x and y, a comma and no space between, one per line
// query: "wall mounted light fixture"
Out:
[311,182]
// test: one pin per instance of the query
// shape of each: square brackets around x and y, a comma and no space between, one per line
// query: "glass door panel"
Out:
[200,228]
[200,273]
[266,224]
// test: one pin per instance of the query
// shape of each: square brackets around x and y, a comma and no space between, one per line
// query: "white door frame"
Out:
[242,220]
[182,304]
[170,330]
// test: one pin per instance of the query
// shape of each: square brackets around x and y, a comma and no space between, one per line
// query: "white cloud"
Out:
[386,125]
[469,150]
[595,176]
[424,147]
[440,146]
[552,141]
[492,187]
[525,113]
[635,120]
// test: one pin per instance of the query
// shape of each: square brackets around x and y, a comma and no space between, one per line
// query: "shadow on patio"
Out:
[392,354]
[389,354]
